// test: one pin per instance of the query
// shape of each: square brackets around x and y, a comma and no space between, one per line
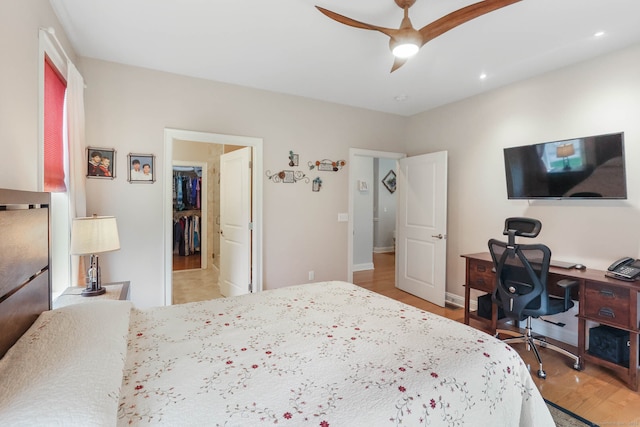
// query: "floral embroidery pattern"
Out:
[323,354]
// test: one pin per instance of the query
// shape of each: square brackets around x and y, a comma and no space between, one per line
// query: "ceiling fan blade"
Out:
[353,23]
[397,63]
[460,16]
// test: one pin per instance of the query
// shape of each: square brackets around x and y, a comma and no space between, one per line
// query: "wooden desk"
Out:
[602,300]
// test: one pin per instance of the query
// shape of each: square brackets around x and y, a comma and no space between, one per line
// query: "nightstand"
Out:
[71,295]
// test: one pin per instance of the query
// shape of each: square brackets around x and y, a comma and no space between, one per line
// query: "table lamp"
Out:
[565,151]
[91,236]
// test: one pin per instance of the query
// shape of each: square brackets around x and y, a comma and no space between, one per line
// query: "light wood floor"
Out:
[594,393]
[190,262]
[195,285]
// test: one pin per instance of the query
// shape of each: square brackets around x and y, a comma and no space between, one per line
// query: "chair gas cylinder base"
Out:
[533,342]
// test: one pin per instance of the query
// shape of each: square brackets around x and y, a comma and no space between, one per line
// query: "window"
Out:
[54,119]
[53,155]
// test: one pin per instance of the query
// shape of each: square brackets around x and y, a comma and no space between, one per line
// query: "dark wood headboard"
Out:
[25,285]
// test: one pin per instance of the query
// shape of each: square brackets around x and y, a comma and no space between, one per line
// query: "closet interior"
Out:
[187,237]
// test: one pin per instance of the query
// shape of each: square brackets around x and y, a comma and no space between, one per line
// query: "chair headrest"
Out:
[520,226]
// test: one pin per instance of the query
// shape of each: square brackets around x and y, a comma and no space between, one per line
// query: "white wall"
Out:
[363,214]
[128,108]
[385,210]
[595,97]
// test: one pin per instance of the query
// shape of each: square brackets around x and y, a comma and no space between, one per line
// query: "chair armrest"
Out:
[567,285]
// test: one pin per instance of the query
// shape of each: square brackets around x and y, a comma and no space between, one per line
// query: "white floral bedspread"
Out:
[322,354]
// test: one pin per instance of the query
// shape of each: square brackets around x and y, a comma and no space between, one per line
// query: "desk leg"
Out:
[582,325]
[633,362]
[467,299]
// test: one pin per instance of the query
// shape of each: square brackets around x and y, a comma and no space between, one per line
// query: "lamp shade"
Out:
[94,235]
[565,150]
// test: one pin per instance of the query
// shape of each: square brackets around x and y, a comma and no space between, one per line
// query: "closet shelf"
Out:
[186,212]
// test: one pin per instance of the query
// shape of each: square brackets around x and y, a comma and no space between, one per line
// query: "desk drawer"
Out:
[481,276]
[607,303]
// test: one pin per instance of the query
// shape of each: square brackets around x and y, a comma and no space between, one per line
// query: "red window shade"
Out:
[54,91]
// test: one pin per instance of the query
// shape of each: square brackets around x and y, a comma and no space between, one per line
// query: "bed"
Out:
[320,354]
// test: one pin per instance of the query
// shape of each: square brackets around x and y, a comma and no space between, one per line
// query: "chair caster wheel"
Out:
[577,366]
[542,374]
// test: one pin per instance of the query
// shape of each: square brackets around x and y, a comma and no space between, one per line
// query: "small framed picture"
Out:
[289,177]
[389,181]
[317,185]
[101,163]
[141,168]
[293,159]
[325,165]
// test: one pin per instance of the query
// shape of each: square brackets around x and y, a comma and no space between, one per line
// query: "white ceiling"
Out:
[288,46]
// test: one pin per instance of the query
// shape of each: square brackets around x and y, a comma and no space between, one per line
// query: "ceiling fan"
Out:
[406,41]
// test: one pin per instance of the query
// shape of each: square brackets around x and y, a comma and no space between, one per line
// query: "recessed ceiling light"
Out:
[483,76]
[599,34]
[401,98]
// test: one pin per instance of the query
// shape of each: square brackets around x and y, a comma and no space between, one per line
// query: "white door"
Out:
[235,222]
[421,234]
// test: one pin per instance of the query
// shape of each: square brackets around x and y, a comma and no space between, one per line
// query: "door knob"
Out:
[438,236]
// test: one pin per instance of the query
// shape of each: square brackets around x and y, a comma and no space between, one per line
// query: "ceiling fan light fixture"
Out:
[406,41]
[405,50]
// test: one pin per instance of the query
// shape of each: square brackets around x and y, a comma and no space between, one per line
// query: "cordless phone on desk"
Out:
[624,269]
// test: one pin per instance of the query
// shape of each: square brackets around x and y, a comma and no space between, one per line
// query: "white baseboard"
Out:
[363,267]
[383,249]
[458,301]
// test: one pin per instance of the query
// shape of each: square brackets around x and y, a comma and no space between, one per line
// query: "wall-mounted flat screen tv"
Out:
[584,168]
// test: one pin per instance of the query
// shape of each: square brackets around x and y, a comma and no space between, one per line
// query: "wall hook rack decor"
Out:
[327,165]
[287,177]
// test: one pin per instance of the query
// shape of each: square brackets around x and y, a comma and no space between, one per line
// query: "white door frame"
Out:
[204,212]
[353,152]
[257,198]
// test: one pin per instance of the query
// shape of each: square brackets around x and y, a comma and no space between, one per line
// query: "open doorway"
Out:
[372,216]
[195,274]
[191,243]
[421,220]
[181,148]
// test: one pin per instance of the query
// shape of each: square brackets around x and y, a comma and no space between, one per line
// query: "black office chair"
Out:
[521,285]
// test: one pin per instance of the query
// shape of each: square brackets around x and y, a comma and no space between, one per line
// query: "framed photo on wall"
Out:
[101,163]
[389,181]
[141,168]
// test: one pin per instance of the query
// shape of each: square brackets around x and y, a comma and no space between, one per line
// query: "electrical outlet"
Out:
[312,275]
